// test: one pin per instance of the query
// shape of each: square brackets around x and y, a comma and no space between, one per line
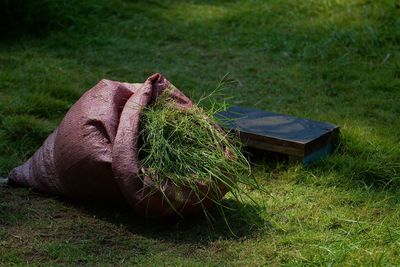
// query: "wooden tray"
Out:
[301,139]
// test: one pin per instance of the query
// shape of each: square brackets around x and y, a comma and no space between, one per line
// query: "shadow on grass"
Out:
[240,221]
[358,163]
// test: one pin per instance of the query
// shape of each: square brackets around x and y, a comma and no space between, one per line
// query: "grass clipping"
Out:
[185,147]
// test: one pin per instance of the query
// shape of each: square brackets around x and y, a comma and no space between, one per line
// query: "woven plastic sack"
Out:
[93,154]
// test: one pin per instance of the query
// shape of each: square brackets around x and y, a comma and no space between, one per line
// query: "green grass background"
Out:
[328,60]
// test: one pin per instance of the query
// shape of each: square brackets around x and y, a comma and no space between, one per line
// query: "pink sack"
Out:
[93,154]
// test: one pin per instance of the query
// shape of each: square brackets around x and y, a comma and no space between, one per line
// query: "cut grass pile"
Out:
[185,147]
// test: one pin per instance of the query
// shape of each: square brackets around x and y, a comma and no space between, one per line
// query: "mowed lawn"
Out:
[330,60]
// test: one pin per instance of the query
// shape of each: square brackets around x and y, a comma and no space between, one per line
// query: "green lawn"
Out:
[328,60]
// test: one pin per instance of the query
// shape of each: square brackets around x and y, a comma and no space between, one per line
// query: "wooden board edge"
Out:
[327,138]
[272,144]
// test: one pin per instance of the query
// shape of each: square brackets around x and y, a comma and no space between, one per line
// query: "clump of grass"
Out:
[185,147]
